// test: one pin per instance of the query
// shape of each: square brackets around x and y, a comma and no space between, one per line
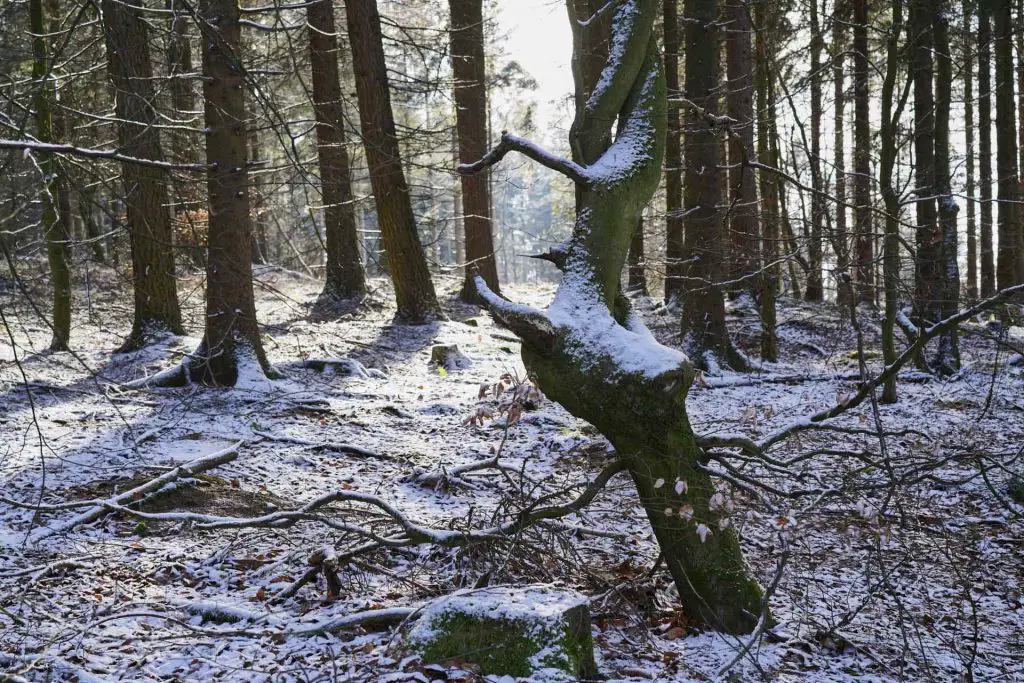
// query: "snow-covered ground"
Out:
[919,581]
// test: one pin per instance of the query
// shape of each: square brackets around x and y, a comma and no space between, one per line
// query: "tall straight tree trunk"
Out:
[259,201]
[947,275]
[840,237]
[864,234]
[414,290]
[637,262]
[969,161]
[345,275]
[1008,258]
[470,86]
[986,249]
[813,291]
[583,349]
[769,280]
[890,196]
[928,238]
[703,330]
[744,231]
[673,158]
[231,345]
[145,188]
[55,232]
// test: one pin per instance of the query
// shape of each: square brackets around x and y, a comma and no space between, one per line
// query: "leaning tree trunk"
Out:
[864,235]
[985,248]
[673,158]
[345,276]
[55,231]
[947,284]
[1008,266]
[414,290]
[744,230]
[145,187]
[702,328]
[470,86]
[590,353]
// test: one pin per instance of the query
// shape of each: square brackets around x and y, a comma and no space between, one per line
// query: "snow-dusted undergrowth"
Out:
[918,582]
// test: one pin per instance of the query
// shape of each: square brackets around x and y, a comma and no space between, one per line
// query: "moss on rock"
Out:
[523,632]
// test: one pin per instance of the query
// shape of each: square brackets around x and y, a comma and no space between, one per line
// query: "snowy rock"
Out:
[538,632]
[449,357]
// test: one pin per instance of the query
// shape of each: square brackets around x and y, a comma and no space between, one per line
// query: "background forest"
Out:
[605,339]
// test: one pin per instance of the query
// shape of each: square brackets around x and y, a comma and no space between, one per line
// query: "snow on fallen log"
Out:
[103,507]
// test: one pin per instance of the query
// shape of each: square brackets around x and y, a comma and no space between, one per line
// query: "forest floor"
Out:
[916,579]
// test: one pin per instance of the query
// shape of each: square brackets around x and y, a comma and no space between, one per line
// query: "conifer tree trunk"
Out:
[969,161]
[840,236]
[927,235]
[54,230]
[744,231]
[414,290]
[673,158]
[1008,259]
[947,275]
[886,166]
[470,76]
[986,249]
[864,234]
[145,188]
[703,330]
[590,353]
[345,275]
[231,343]
[769,280]
[813,290]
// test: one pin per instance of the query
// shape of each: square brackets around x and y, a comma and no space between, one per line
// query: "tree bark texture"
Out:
[345,275]
[145,188]
[414,290]
[470,72]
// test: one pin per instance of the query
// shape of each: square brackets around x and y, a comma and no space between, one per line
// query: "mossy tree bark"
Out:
[592,355]
[54,229]
[149,221]
[414,290]
[345,275]
[636,267]
[705,337]
[470,95]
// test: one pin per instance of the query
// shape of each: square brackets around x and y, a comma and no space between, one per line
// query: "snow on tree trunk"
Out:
[591,354]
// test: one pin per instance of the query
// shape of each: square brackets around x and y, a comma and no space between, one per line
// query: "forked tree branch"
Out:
[514,143]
